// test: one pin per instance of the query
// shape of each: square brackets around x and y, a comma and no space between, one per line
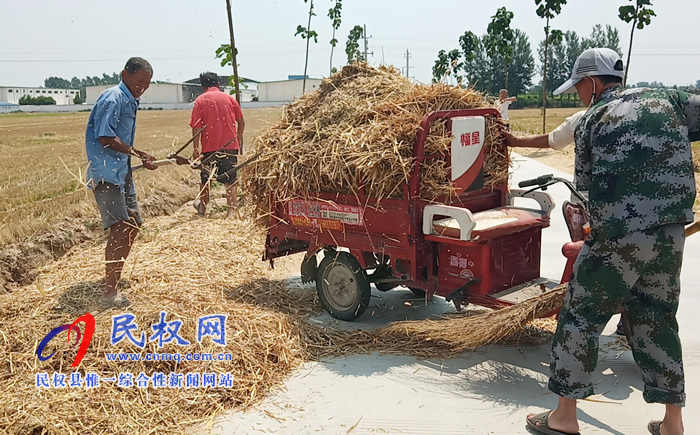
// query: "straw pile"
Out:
[357,131]
[187,269]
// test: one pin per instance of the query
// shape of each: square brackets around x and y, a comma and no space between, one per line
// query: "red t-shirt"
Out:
[219,112]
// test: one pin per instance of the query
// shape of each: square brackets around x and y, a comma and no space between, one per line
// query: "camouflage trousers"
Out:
[639,271]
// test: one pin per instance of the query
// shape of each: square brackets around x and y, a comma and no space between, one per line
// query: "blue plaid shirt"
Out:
[114,115]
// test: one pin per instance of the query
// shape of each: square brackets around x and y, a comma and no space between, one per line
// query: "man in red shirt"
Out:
[221,140]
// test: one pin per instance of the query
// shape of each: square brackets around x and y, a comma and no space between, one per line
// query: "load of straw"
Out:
[185,269]
[357,131]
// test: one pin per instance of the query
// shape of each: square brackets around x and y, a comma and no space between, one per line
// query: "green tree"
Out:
[491,73]
[44,101]
[57,83]
[352,47]
[224,53]
[563,52]
[639,15]
[334,14]
[548,9]
[607,38]
[470,45]
[78,99]
[501,38]
[521,69]
[307,33]
[38,101]
[441,68]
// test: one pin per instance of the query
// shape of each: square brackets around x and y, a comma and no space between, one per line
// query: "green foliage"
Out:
[608,38]
[224,53]
[639,14]
[441,67]
[57,83]
[549,8]
[36,101]
[484,72]
[78,99]
[567,46]
[334,14]
[306,32]
[81,84]
[500,35]
[352,46]
[470,45]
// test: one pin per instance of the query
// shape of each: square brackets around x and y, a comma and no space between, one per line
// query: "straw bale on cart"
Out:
[357,131]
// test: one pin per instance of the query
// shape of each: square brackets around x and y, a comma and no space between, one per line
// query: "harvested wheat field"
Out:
[357,131]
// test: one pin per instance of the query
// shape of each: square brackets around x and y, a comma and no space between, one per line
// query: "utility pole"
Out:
[233,51]
[408,59]
[364,35]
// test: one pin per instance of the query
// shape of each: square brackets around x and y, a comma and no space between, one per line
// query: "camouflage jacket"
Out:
[633,155]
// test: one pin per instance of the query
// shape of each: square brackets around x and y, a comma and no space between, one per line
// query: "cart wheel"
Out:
[342,286]
[417,292]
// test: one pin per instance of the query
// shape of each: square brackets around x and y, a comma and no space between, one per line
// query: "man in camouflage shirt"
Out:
[633,155]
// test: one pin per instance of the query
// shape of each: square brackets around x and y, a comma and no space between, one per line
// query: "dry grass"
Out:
[355,135]
[184,266]
[189,267]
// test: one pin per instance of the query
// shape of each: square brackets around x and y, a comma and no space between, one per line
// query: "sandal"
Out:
[539,424]
[654,427]
[197,204]
[116,301]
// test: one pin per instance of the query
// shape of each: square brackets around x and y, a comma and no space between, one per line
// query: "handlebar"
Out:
[542,179]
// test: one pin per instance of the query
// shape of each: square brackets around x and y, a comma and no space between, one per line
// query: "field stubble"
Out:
[45,207]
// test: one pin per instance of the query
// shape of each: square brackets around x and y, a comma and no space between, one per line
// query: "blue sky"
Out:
[179,38]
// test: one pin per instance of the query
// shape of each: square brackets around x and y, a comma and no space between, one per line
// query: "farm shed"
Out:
[157,93]
[12,94]
[286,90]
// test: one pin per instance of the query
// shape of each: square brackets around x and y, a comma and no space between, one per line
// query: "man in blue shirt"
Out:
[109,143]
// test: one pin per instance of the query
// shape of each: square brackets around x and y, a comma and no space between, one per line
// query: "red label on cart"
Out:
[324,215]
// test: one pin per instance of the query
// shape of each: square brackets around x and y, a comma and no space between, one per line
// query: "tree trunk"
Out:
[233,53]
[544,79]
[629,52]
[308,40]
[330,70]
[506,71]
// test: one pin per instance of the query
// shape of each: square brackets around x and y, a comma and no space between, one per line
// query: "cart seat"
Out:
[495,222]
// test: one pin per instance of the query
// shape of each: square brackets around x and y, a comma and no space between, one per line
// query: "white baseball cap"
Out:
[593,62]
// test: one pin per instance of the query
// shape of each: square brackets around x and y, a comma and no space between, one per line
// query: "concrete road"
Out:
[488,391]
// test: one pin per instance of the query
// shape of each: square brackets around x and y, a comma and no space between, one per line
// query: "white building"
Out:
[247,87]
[157,93]
[286,90]
[12,94]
